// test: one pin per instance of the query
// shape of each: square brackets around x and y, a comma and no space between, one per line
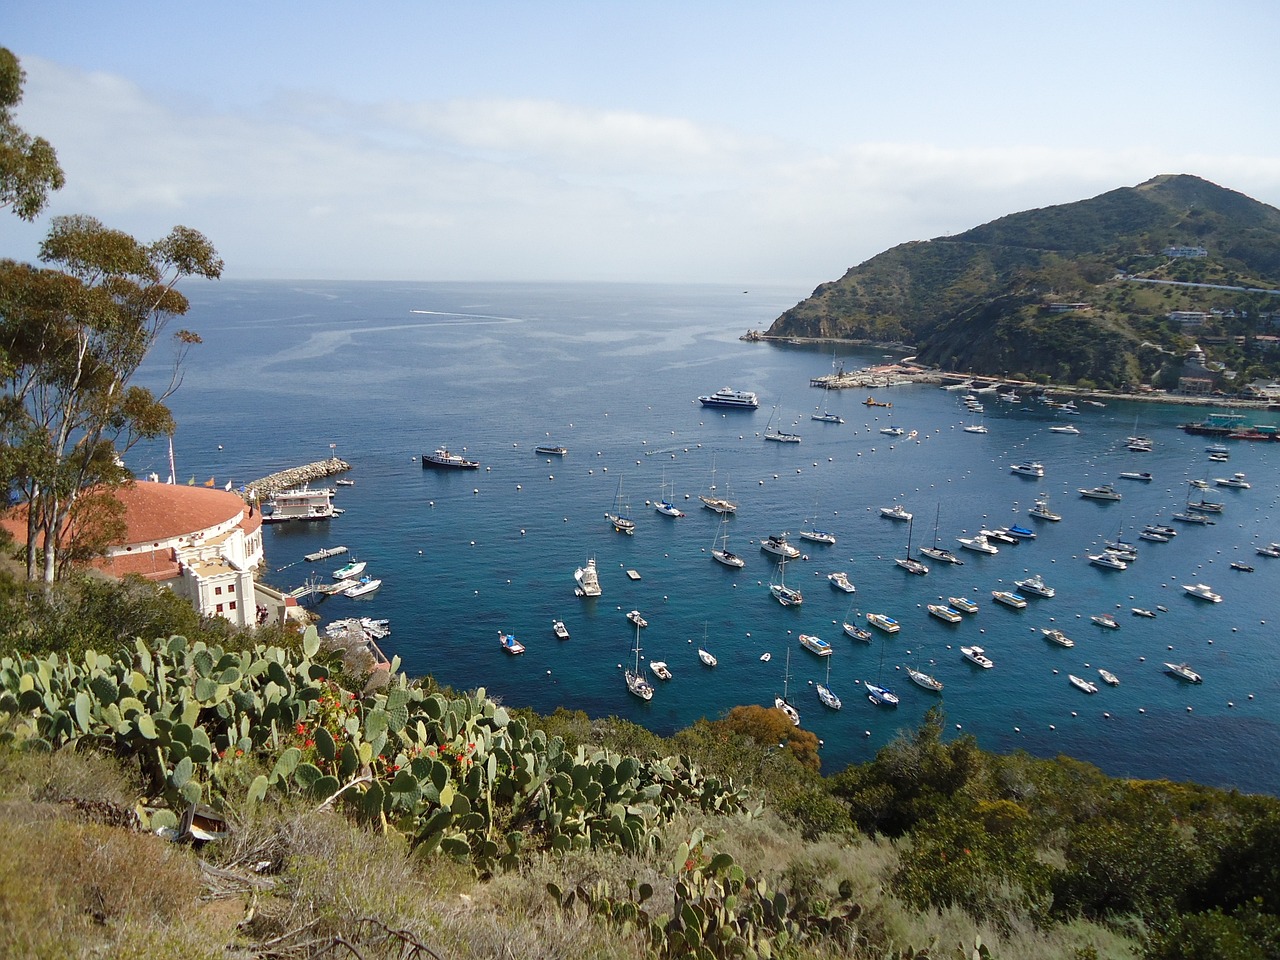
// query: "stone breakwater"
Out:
[296,477]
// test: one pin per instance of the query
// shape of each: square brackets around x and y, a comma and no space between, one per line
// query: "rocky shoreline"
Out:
[294,477]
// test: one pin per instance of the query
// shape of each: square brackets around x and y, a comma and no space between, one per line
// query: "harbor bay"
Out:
[389,372]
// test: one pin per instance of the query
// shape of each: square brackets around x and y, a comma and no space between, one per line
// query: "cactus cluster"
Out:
[717,911]
[454,774]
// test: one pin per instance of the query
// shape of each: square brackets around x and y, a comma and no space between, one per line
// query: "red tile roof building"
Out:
[201,543]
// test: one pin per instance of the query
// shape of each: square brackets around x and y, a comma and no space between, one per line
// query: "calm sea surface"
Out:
[385,371]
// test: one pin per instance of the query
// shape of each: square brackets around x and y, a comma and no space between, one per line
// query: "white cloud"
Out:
[532,189]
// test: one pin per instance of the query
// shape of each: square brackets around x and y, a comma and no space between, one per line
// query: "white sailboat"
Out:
[877,693]
[787,596]
[826,694]
[781,436]
[712,501]
[705,655]
[782,703]
[938,551]
[664,505]
[637,683]
[720,551]
[809,530]
[908,562]
[619,515]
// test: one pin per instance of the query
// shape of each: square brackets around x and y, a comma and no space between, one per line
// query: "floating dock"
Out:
[325,553]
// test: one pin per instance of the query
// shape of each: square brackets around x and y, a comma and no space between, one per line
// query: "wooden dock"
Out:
[325,554]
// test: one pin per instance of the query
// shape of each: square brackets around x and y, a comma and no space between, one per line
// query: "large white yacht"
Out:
[732,399]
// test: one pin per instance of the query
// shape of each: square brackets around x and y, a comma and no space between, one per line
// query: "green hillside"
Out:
[981,300]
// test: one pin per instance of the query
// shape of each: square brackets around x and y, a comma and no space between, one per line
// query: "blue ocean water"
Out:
[386,371]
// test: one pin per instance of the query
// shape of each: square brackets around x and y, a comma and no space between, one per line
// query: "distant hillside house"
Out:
[1188,318]
[1185,252]
[1195,386]
[201,543]
[1068,307]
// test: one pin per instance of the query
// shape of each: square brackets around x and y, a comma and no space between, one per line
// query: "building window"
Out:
[231,605]
[231,588]
[217,591]
[219,608]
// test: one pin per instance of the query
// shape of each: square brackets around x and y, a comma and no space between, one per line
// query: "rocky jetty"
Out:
[296,477]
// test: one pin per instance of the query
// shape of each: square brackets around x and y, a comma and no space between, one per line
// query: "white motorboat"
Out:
[1108,677]
[1018,532]
[1035,584]
[637,683]
[1270,550]
[1183,672]
[1009,599]
[1137,475]
[560,630]
[1143,612]
[660,669]
[1202,591]
[1236,480]
[826,418]
[922,679]
[550,450]
[978,544]
[977,655]
[766,657]
[777,545]
[587,579]
[1064,428]
[883,622]
[1105,620]
[963,604]
[892,431]
[840,580]
[1213,458]
[1082,684]
[1041,510]
[509,643]
[1000,536]
[1206,506]
[976,428]
[787,596]
[363,587]
[731,399]
[1154,536]
[1102,492]
[350,571]
[1108,561]
[1161,529]
[1028,468]
[442,459]
[943,612]
[895,512]
[815,645]
[1054,635]
[634,617]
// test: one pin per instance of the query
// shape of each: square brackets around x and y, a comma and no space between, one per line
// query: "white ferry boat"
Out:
[1009,599]
[963,604]
[300,503]
[943,612]
[884,622]
[731,399]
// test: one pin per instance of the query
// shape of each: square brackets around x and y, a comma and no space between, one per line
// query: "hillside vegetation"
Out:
[380,816]
[979,301]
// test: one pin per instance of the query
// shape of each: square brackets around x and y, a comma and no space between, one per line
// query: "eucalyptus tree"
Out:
[72,336]
[28,165]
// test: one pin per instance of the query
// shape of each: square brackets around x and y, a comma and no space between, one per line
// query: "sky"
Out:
[720,142]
